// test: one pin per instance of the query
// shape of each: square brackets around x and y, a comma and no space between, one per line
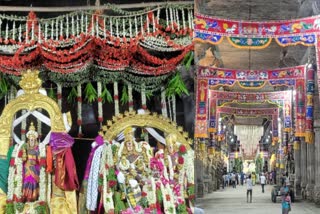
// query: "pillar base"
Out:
[297,188]
[303,190]
[309,192]
[200,190]
[316,195]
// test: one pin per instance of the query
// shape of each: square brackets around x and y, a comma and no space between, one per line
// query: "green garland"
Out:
[90,93]
[72,95]
[106,95]
[124,96]
[176,86]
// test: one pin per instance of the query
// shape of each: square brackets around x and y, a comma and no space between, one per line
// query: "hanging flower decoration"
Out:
[72,42]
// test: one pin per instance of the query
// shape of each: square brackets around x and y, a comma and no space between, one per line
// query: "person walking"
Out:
[262,181]
[241,178]
[249,189]
[286,203]
[233,180]
[253,178]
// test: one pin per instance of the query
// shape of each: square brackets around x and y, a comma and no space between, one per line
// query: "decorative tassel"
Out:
[167,17]
[39,34]
[148,30]
[78,27]
[177,19]
[189,19]
[130,28]
[104,28]
[57,29]
[72,25]
[82,25]
[27,32]
[14,31]
[52,25]
[153,23]
[163,102]
[143,97]
[136,25]
[23,127]
[123,28]
[59,95]
[46,31]
[174,108]
[97,27]
[92,25]
[183,20]
[7,32]
[158,16]
[111,30]
[141,23]
[20,33]
[117,28]
[79,119]
[67,30]
[130,97]
[100,109]
[32,31]
[116,97]
[61,29]
[86,25]
[171,18]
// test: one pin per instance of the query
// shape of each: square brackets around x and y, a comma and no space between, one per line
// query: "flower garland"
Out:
[116,98]
[100,110]
[143,97]
[130,97]
[59,95]
[79,112]
[43,177]
[107,159]
[173,98]
[163,103]
[18,178]
[23,127]
[11,176]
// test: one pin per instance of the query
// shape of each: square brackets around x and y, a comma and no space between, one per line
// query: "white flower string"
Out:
[163,102]
[143,97]
[104,28]
[97,27]
[43,180]
[130,97]
[86,23]
[79,113]
[57,29]
[130,28]
[116,97]
[136,25]
[177,18]
[123,28]
[39,124]
[49,188]
[167,17]
[174,108]
[189,19]
[7,32]
[32,31]
[117,28]
[78,27]
[100,110]
[169,110]
[27,32]
[92,25]
[147,19]
[14,31]
[153,23]
[107,158]
[18,178]
[72,26]
[46,31]
[183,20]
[111,30]
[171,17]
[59,95]
[141,23]
[20,32]
[11,176]
[52,29]
[67,30]
[39,34]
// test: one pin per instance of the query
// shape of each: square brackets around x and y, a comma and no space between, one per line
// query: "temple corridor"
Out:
[229,200]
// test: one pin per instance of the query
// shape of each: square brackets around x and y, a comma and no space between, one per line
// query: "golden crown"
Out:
[30,81]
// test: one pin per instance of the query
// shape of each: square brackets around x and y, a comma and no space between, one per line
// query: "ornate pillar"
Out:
[303,167]
[316,192]
[310,171]
[199,169]
[297,162]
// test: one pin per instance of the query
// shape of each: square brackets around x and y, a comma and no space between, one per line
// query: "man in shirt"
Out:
[262,181]
[249,189]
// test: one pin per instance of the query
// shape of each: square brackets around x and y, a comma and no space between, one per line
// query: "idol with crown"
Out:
[41,175]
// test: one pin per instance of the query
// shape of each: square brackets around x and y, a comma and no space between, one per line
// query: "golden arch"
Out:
[31,100]
[130,119]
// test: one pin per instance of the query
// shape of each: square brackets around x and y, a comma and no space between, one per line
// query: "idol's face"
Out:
[129,146]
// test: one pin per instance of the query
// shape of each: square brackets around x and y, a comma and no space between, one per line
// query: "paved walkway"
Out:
[234,201]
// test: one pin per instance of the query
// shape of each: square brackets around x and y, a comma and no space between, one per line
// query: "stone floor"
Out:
[234,201]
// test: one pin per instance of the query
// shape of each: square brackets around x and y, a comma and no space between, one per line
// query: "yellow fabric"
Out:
[67,204]
[3,198]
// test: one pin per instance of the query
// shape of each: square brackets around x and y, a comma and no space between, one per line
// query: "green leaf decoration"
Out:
[124,96]
[90,93]
[189,61]
[4,86]
[72,95]
[106,95]
[52,94]
[149,94]
[176,86]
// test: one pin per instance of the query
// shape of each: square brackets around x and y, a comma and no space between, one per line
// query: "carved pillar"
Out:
[310,171]
[316,192]
[303,167]
[297,163]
